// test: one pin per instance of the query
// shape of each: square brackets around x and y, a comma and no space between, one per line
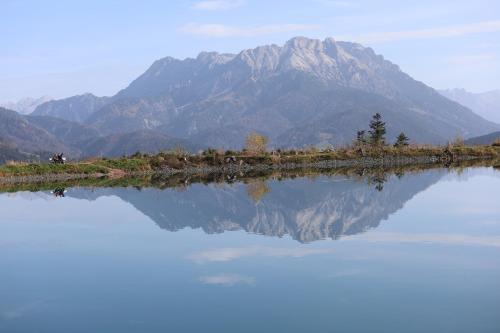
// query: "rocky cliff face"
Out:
[341,63]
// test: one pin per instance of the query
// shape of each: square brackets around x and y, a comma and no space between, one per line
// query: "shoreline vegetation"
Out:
[174,163]
[369,150]
[376,175]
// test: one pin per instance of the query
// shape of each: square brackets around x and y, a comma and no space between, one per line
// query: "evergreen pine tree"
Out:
[377,130]
[401,141]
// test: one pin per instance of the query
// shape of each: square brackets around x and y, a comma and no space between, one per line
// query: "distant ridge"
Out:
[77,108]
[26,105]
[38,137]
[486,104]
[487,139]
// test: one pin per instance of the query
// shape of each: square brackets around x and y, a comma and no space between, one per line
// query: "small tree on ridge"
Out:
[401,141]
[377,130]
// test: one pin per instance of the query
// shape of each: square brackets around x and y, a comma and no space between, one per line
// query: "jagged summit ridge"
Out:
[343,62]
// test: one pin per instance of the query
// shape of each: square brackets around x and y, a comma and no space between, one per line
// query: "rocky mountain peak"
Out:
[345,63]
[309,55]
[262,59]
[214,58]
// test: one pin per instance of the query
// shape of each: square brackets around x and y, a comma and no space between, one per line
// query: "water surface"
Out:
[414,253]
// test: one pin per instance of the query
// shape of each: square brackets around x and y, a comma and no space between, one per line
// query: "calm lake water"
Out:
[419,253]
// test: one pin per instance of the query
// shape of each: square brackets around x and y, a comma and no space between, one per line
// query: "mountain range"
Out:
[38,137]
[486,104]
[306,92]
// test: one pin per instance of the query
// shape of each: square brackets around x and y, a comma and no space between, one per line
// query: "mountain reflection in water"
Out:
[92,261]
[305,209]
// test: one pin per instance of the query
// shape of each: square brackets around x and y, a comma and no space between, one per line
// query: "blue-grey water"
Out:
[417,253]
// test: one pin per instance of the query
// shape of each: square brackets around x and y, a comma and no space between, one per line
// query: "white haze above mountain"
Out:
[485,104]
[26,105]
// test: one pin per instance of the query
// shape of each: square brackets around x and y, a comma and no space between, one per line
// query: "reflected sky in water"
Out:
[330,254]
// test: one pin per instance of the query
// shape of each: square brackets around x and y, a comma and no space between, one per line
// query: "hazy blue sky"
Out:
[62,48]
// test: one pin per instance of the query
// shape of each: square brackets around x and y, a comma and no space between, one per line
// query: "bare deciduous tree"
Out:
[256,143]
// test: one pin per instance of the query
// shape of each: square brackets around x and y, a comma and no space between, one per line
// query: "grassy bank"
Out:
[94,167]
[180,180]
[214,160]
